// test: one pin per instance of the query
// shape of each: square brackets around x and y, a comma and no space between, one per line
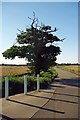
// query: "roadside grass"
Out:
[72,68]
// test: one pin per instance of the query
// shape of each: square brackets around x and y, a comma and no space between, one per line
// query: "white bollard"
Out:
[38,82]
[6,87]
[25,84]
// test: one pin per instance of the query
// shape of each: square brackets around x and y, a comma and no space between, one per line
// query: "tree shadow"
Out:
[71,82]
[35,106]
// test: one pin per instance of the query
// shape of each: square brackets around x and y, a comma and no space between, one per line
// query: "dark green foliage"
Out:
[53,71]
[44,82]
[32,82]
[36,45]
[46,74]
[46,78]
[16,85]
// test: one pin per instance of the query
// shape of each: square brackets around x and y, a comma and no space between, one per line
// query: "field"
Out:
[13,70]
[72,68]
[21,70]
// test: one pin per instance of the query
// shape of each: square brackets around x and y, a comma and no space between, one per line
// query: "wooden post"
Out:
[6,87]
[38,82]
[25,84]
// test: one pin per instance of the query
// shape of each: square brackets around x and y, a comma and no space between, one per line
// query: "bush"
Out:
[44,82]
[46,74]
[45,78]
[32,83]
[54,72]
[16,85]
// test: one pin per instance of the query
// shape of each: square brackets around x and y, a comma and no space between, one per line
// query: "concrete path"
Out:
[68,78]
[65,73]
[25,106]
[65,98]
[60,100]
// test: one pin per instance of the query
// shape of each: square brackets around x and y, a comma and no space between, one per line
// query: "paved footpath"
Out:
[65,99]
[60,100]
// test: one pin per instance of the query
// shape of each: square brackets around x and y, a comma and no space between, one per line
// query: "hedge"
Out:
[16,83]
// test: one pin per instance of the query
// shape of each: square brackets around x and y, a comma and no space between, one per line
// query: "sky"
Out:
[63,15]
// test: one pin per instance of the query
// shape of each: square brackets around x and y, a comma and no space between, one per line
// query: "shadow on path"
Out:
[30,105]
[71,82]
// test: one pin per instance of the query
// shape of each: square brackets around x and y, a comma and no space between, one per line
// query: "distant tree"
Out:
[36,44]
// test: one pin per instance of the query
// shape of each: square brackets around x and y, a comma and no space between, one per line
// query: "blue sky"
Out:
[63,15]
